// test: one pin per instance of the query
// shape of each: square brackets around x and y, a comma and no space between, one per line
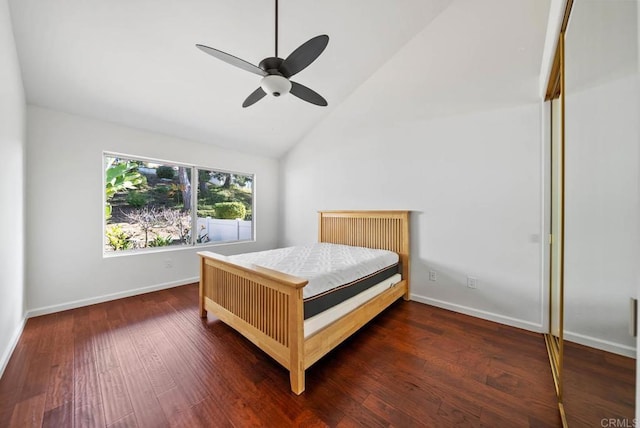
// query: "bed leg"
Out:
[203,311]
[297,381]
[296,341]
[407,293]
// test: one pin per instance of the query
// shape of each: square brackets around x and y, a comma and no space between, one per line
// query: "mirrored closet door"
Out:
[599,260]
[554,337]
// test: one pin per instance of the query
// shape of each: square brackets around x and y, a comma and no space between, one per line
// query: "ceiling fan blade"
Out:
[255,96]
[303,56]
[307,94]
[230,59]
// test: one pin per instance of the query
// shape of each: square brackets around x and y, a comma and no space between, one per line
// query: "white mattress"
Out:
[323,319]
[326,266]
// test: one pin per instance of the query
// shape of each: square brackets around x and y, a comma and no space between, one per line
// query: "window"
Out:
[150,204]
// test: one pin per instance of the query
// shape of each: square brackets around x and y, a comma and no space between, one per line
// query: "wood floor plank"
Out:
[308,419]
[12,381]
[390,414]
[346,422]
[454,415]
[209,413]
[143,398]
[58,417]
[88,410]
[187,379]
[151,361]
[128,421]
[83,353]
[37,382]
[115,397]
[88,415]
[28,412]
[153,364]
[47,339]
[177,410]
[60,390]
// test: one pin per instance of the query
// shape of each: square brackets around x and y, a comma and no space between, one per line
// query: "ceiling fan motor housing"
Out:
[271,64]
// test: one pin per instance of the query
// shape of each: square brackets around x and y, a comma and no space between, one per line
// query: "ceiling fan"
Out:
[276,71]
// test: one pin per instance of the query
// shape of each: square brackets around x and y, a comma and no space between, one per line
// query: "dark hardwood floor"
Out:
[151,361]
[598,387]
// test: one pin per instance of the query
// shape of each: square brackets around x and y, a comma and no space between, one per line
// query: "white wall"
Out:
[12,146]
[66,267]
[472,183]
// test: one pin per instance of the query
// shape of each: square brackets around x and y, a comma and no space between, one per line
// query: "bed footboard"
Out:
[263,305]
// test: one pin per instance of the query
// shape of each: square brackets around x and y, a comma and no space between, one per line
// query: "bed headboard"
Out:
[387,230]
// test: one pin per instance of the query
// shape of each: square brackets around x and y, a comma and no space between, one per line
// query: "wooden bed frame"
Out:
[266,306]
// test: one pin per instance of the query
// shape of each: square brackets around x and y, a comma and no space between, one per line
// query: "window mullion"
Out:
[194,204]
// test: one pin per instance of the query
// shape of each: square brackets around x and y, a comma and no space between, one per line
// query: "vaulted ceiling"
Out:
[134,61]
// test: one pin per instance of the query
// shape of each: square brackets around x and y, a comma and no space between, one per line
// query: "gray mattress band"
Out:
[321,302]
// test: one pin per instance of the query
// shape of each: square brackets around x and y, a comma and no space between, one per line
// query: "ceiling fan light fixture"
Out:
[275,85]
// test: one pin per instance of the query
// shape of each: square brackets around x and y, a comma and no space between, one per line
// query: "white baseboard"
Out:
[4,360]
[604,345]
[107,297]
[592,342]
[513,322]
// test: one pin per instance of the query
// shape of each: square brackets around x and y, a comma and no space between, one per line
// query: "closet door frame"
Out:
[555,96]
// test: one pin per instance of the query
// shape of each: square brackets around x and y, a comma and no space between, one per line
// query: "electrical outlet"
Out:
[168,263]
[432,275]
[472,282]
